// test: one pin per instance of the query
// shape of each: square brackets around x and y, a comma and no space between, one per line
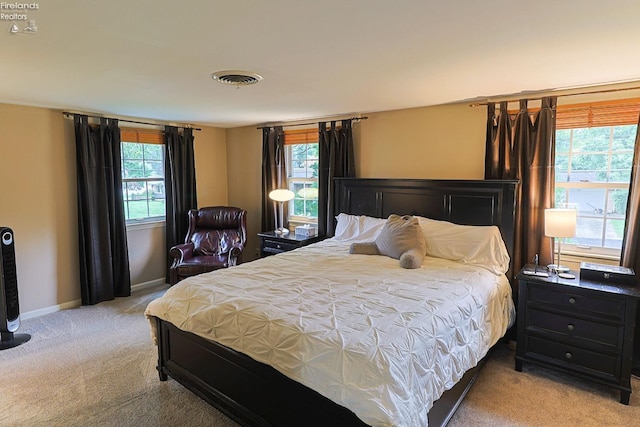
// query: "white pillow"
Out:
[469,244]
[354,228]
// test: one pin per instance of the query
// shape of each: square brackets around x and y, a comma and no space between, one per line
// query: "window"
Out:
[143,177]
[302,169]
[594,154]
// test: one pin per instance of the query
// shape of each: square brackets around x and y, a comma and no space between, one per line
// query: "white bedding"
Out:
[383,341]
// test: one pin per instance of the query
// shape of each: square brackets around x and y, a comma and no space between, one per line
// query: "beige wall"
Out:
[244,164]
[444,142]
[210,146]
[38,201]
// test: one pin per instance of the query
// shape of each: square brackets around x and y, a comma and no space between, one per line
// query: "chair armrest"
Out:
[181,252]
[235,254]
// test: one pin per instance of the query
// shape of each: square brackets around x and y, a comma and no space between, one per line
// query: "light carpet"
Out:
[95,366]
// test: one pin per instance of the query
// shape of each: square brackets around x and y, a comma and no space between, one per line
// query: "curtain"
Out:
[336,160]
[102,234]
[180,185]
[522,149]
[630,256]
[630,253]
[274,174]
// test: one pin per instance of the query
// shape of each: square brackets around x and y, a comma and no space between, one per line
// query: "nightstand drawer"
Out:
[580,331]
[576,301]
[577,359]
[275,246]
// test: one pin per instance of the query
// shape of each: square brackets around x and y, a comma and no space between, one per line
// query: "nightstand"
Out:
[579,327]
[272,243]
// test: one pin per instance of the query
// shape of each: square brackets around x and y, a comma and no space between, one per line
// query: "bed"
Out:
[314,383]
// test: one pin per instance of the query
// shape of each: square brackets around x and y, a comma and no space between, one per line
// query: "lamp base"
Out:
[282,231]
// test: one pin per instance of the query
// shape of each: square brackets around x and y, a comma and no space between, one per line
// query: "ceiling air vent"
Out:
[236,78]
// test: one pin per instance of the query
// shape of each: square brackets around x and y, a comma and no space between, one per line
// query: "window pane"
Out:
[589,168]
[624,137]
[153,151]
[562,168]
[153,169]
[590,201]
[591,139]
[157,191]
[617,205]
[135,190]
[588,232]
[138,209]
[563,138]
[614,231]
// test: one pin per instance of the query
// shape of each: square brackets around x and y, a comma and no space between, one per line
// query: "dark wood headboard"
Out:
[468,202]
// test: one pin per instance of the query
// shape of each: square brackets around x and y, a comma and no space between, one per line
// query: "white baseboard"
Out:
[52,309]
[78,303]
[144,285]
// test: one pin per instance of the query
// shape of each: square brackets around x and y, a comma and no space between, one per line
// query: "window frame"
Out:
[291,138]
[606,114]
[147,137]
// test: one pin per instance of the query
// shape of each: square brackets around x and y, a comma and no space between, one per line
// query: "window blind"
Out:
[595,114]
[301,136]
[147,136]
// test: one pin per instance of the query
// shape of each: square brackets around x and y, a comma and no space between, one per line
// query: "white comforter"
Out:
[383,341]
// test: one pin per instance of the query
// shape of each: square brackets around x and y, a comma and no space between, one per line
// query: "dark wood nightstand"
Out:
[579,327]
[272,243]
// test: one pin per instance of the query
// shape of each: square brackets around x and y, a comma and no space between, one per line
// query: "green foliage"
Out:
[619,201]
[590,153]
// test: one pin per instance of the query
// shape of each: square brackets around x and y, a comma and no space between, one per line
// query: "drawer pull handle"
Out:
[570,327]
[572,300]
[568,355]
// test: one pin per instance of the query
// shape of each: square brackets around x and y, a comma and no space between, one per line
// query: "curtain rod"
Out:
[513,98]
[68,114]
[357,119]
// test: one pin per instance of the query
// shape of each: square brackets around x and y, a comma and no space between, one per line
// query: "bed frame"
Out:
[256,394]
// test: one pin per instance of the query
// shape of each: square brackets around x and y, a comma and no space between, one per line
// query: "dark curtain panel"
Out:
[630,252]
[180,185]
[102,234]
[517,148]
[336,160]
[274,174]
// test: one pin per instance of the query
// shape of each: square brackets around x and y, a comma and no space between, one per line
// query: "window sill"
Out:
[142,225]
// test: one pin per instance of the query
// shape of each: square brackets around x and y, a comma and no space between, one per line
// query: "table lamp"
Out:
[559,223]
[281,195]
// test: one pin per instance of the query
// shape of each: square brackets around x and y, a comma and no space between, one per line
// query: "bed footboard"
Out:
[255,394]
[247,391]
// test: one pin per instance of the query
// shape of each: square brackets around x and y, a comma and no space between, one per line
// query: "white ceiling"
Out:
[152,59]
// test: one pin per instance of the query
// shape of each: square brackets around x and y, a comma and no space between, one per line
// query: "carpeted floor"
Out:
[95,366]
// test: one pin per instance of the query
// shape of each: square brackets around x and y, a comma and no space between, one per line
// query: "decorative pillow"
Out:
[353,228]
[469,244]
[400,238]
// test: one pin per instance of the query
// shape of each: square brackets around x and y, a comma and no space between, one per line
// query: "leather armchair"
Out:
[216,238]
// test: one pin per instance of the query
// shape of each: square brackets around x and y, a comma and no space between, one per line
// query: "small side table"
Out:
[577,326]
[272,243]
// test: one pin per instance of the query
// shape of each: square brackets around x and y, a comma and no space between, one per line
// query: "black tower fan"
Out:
[9,309]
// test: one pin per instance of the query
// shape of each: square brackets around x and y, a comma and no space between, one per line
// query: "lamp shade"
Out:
[560,222]
[281,195]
